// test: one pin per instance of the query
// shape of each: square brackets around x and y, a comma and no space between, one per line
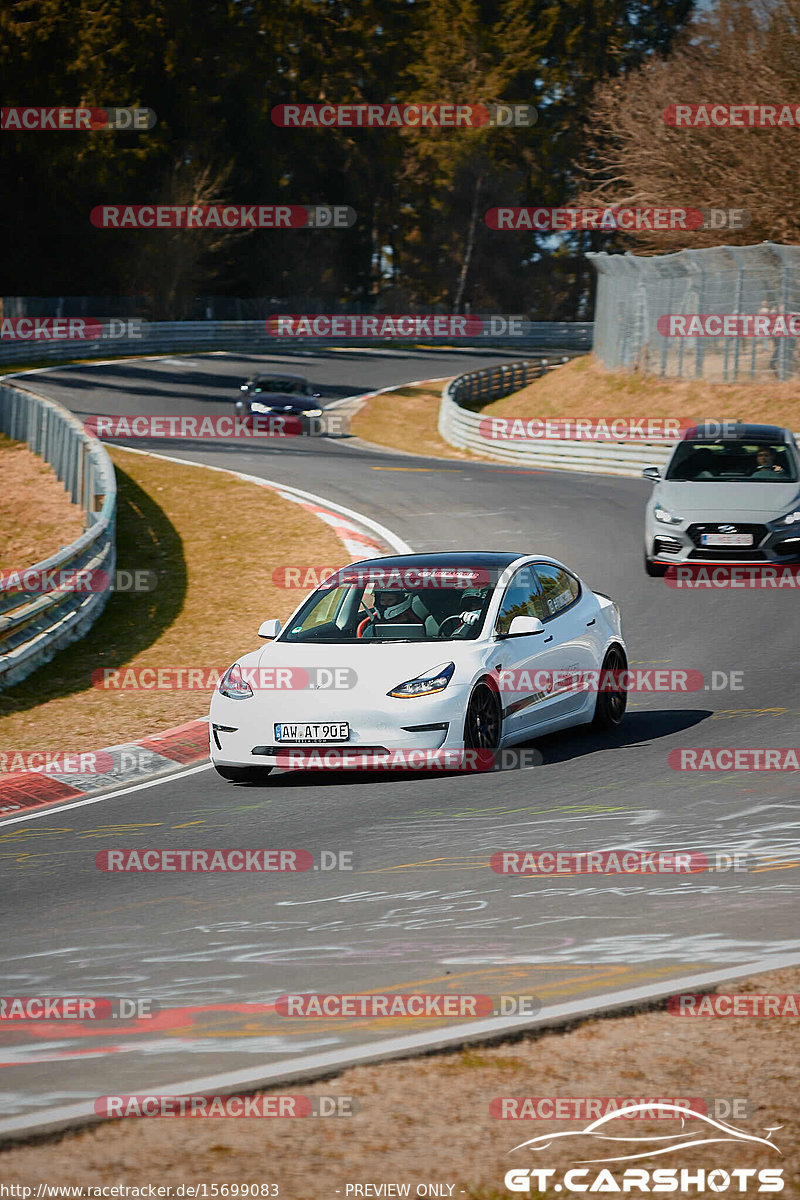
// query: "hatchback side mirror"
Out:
[651,473]
[269,629]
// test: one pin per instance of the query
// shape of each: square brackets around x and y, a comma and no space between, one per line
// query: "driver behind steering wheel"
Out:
[392,607]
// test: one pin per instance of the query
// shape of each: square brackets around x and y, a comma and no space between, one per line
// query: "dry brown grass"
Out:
[214,542]
[583,388]
[427,1119]
[405,419]
[37,516]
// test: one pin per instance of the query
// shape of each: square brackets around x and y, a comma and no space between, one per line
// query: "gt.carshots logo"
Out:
[134,120]
[413,115]
[692,1128]
[386,325]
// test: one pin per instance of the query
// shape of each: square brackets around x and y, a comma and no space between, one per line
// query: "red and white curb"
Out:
[134,761]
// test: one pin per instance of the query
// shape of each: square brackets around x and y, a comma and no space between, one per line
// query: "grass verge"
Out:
[214,542]
[37,516]
[407,418]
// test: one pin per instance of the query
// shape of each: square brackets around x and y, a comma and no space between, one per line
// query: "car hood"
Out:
[283,398]
[375,663]
[733,501]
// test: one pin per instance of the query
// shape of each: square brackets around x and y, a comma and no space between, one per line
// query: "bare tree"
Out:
[742,52]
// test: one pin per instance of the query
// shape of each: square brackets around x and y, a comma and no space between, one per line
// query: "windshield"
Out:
[356,611]
[733,462]
[289,387]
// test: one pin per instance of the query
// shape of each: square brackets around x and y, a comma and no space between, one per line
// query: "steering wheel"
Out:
[362,625]
[454,617]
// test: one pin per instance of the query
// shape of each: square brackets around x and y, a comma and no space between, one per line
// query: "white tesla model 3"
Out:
[463,651]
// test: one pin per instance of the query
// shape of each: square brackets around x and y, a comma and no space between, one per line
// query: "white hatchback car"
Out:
[425,651]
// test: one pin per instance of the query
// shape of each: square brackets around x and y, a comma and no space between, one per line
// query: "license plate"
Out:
[726,539]
[302,732]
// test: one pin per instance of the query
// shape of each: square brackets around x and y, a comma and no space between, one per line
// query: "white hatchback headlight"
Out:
[665,517]
[234,685]
[428,684]
[791,518]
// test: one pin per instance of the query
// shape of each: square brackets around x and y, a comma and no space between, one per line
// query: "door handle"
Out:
[588,623]
[549,639]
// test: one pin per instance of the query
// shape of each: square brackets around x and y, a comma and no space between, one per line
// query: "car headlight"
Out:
[790,518]
[313,412]
[256,406]
[432,681]
[234,685]
[665,517]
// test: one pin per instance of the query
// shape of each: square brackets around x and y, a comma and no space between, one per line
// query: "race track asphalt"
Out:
[421,910]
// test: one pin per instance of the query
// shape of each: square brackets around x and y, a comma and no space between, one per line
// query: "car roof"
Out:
[283,378]
[738,431]
[455,560]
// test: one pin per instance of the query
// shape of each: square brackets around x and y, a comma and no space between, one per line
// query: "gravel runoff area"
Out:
[427,1120]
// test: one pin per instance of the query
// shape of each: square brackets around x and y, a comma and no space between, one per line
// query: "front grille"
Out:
[326,748]
[759,532]
[726,553]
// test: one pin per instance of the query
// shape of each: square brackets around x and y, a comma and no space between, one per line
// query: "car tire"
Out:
[243,774]
[610,707]
[483,720]
[653,569]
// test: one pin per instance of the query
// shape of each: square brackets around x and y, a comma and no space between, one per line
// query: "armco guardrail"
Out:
[462,428]
[251,337]
[36,622]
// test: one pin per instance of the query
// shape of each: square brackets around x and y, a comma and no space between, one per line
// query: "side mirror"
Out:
[651,473]
[525,625]
[269,629]
[317,395]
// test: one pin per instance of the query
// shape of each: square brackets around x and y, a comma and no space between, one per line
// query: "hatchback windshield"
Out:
[733,462]
[288,387]
[357,611]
